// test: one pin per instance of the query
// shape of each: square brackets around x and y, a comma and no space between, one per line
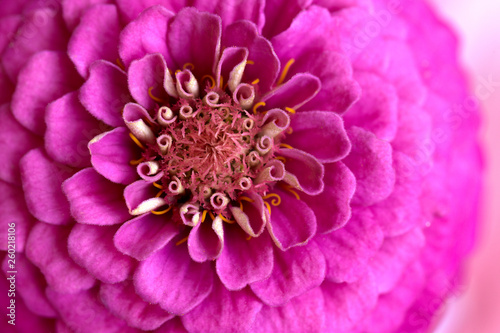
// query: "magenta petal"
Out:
[84,312]
[15,141]
[73,10]
[348,250]
[13,210]
[42,180]
[321,134]
[144,235]
[122,300]
[95,200]
[31,285]
[206,240]
[266,64]
[233,11]
[346,304]
[295,271]
[371,162]
[280,13]
[92,247]
[105,92]
[169,277]
[95,38]
[294,93]
[394,257]
[46,249]
[145,73]
[224,311]
[377,109]
[111,153]
[304,313]
[304,171]
[47,76]
[292,222]
[140,197]
[69,129]
[145,35]
[6,87]
[190,32]
[172,326]
[30,39]
[8,25]
[131,9]
[244,261]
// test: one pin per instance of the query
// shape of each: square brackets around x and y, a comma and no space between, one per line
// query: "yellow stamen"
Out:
[204,216]
[289,130]
[268,207]
[182,241]
[221,84]
[247,199]
[276,199]
[285,71]
[137,142]
[284,145]
[119,63]
[158,186]
[188,65]
[211,78]
[291,189]
[256,106]
[255,81]
[158,194]
[250,62]
[281,158]
[154,98]
[136,162]
[249,237]
[226,220]
[292,111]
[211,215]
[162,211]
[177,71]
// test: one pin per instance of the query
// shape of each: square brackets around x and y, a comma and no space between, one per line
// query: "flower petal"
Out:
[265,65]
[304,313]
[156,229]
[294,93]
[111,153]
[73,10]
[15,141]
[371,162]
[47,76]
[30,39]
[346,304]
[190,32]
[150,72]
[145,35]
[244,261]
[292,222]
[234,311]
[332,206]
[95,200]
[122,300]
[348,250]
[171,279]
[140,197]
[232,11]
[206,241]
[303,171]
[280,13]
[92,247]
[95,38]
[31,285]
[46,249]
[131,9]
[295,271]
[84,312]
[69,129]
[13,210]
[105,92]
[42,180]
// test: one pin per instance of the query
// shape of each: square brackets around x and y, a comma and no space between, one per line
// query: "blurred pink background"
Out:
[477,23]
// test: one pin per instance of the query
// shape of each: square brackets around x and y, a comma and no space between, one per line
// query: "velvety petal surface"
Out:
[95,200]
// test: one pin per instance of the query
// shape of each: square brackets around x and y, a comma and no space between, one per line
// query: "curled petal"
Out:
[294,93]
[303,171]
[273,171]
[231,67]
[140,197]
[206,241]
[275,122]
[252,218]
[137,120]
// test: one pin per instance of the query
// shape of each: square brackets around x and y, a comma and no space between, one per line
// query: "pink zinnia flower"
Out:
[230,166]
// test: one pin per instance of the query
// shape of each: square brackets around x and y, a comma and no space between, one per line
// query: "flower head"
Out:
[229,166]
